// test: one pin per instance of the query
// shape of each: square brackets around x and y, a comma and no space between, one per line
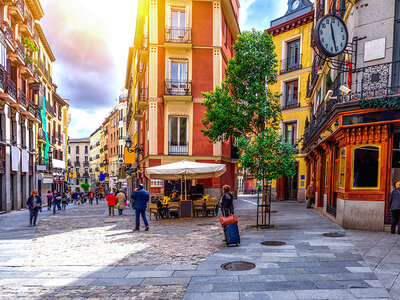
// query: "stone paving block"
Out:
[213,296]
[118,281]
[155,281]
[239,287]
[375,283]
[249,272]
[370,293]
[261,278]
[359,269]
[61,282]
[144,274]
[282,271]
[175,268]
[200,288]
[111,274]
[194,273]
[133,268]
[271,295]
[325,270]
[338,284]
[290,285]
[324,294]
[214,279]
[353,276]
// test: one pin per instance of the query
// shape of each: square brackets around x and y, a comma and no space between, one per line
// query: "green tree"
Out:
[85,186]
[244,108]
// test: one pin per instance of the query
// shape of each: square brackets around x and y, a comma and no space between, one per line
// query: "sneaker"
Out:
[135,229]
[147,228]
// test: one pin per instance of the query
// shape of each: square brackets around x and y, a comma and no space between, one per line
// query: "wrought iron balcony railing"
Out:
[178,34]
[178,148]
[145,42]
[20,5]
[144,94]
[21,97]
[21,50]
[290,101]
[293,142]
[10,87]
[9,33]
[86,164]
[28,21]
[178,87]
[291,64]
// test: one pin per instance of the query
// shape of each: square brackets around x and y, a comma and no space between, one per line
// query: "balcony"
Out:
[85,175]
[86,164]
[10,87]
[9,35]
[175,148]
[77,164]
[379,84]
[293,142]
[144,54]
[178,87]
[139,71]
[28,69]
[291,64]
[178,35]
[27,26]
[143,99]
[17,9]
[290,101]
[21,51]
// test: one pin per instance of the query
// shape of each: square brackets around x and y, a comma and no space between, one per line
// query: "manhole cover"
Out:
[238,266]
[333,234]
[273,243]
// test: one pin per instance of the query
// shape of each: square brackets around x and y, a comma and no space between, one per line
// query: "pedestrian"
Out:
[75,197]
[394,204]
[79,197]
[90,196]
[111,201]
[310,194]
[68,194]
[121,198]
[97,195]
[34,204]
[56,201]
[49,196]
[227,201]
[64,200]
[140,197]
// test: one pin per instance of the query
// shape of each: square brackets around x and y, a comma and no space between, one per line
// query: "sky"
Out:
[90,40]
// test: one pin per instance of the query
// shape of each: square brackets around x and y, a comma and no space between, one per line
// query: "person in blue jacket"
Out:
[140,197]
[34,204]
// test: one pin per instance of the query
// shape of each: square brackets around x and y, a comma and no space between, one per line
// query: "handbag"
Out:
[228,220]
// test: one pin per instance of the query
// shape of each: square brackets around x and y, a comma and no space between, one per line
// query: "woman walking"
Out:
[34,203]
[49,196]
[227,201]
[121,197]
[394,204]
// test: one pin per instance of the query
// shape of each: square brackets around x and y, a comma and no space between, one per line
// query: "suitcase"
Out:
[231,232]
[228,220]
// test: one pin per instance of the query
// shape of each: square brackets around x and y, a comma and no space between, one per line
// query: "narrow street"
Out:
[85,253]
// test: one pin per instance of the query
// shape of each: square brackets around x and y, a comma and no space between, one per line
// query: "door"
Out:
[395,174]
[331,207]
[293,55]
[286,187]
[178,24]
[178,76]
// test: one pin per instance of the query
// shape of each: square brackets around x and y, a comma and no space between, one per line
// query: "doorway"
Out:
[287,187]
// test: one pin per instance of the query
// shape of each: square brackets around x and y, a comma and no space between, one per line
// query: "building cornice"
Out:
[292,24]
[44,41]
[35,8]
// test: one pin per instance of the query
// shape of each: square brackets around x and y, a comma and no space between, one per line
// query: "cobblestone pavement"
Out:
[85,254]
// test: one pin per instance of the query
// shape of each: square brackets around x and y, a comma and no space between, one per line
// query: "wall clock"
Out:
[331,35]
[295,4]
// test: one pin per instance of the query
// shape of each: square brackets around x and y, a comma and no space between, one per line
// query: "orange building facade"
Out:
[181,49]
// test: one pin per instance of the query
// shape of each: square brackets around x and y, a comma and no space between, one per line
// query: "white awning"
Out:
[58,164]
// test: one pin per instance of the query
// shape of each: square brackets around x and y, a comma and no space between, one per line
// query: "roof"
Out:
[59,99]
[292,23]
[44,42]
[94,132]
[129,66]
[79,140]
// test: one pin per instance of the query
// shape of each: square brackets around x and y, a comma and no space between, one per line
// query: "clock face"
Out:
[331,35]
[295,4]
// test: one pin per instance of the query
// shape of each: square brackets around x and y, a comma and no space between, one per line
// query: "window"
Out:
[77,171]
[86,158]
[293,55]
[178,18]
[290,133]
[292,94]
[77,158]
[69,149]
[178,135]
[86,149]
[342,167]
[224,29]
[86,170]
[178,76]
[3,55]
[366,167]
[77,150]
[326,169]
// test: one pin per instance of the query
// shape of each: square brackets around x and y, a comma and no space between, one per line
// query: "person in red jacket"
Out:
[112,201]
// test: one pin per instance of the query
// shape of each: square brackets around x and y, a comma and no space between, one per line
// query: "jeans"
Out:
[64,205]
[33,216]
[120,211]
[48,204]
[110,210]
[395,221]
[91,201]
[54,206]
[141,212]
[97,201]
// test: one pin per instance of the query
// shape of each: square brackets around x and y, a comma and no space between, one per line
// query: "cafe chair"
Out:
[211,206]
[154,210]
[198,205]
[173,208]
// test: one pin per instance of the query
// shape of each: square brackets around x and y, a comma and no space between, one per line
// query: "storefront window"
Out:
[342,167]
[366,167]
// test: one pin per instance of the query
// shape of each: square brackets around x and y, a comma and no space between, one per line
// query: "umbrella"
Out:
[185,170]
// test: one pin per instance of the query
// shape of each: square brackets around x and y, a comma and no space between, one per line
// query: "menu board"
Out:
[186,209]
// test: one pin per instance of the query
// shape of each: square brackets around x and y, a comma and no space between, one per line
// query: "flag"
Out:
[348,64]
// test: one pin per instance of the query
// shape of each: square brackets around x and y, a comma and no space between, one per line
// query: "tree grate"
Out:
[238,266]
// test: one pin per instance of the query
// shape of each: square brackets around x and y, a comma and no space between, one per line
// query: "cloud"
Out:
[259,13]
[90,40]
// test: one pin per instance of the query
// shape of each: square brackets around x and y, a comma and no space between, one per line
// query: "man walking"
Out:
[310,194]
[140,197]
[112,201]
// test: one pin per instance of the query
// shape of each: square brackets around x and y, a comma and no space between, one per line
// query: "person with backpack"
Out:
[56,201]
[34,204]
[49,196]
[64,200]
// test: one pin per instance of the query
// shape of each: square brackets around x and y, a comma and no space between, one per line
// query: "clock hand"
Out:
[333,37]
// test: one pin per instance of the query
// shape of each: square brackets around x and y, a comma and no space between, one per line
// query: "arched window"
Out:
[366,167]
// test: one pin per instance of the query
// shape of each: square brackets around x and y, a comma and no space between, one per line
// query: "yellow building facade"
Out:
[291,36]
